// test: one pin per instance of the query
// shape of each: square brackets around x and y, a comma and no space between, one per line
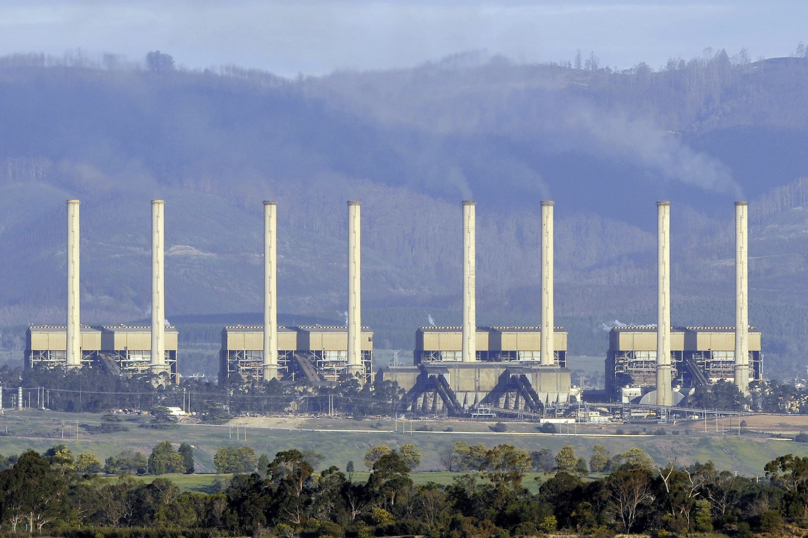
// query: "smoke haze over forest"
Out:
[410,143]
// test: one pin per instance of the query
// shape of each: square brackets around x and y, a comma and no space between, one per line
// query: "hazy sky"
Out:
[317,37]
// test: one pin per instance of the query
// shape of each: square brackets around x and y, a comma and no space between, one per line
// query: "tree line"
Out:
[91,390]
[286,497]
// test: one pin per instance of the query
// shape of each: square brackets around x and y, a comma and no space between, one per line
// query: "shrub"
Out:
[548,427]
[771,521]
[498,427]
[549,524]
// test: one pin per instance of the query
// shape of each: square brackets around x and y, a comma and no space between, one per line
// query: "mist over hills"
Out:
[410,144]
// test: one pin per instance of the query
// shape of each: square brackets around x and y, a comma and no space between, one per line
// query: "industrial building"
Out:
[456,370]
[510,370]
[493,344]
[699,356]
[507,375]
[119,349]
[318,353]
[242,353]
[652,360]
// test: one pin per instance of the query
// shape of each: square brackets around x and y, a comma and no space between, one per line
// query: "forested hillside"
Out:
[411,144]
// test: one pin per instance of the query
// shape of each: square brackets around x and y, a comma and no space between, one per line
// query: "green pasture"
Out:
[211,482]
[39,430]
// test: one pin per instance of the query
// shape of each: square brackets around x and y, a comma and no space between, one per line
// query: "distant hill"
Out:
[410,144]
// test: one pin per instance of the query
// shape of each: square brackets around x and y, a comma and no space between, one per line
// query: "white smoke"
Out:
[431,321]
[346,317]
[457,179]
[167,323]
[562,124]
[640,141]
[617,323]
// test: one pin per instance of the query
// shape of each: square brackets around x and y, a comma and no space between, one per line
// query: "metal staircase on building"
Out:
[303,364]
[448,396]
[108,364]
[698,374]
[516,387]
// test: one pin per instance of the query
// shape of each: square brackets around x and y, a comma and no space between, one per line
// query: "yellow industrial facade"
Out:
[317,352]
[494,344]
[699,355]
[121,349]
[507,377]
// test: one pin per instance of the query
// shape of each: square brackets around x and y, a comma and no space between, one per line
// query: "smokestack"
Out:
[741,299]
[158,359]
[547,352]
[663,378]
[73,349]
[20,403]
[469,283]
[354,290]
[270,288]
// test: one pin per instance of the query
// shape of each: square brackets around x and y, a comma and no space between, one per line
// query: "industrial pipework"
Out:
[158,359]
[741,299]
[547,352]
[469,346]
[354,290]
[270,289]
[663,373]
[73,347]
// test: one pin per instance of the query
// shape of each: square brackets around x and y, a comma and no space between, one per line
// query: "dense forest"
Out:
[59,494]
[604,144]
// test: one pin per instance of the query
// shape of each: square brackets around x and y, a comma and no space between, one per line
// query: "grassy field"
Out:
[211,482]
[342,440]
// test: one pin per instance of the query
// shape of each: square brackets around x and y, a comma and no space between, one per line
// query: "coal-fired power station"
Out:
[118,349]
[504,370]
[682,358]
[490,370]
[319,354]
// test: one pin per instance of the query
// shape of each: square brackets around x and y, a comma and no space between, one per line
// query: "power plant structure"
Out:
[698,356]
[511,370]
[316,353]
[645,363]
[456,370]
[119,349]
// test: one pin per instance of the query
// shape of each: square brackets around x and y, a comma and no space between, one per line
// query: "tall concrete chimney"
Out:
[354,290]
[73,349]
[158,359]
[469,282]
[20,402]
[663,377]
[741,299]
[270,289]
[547,353]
